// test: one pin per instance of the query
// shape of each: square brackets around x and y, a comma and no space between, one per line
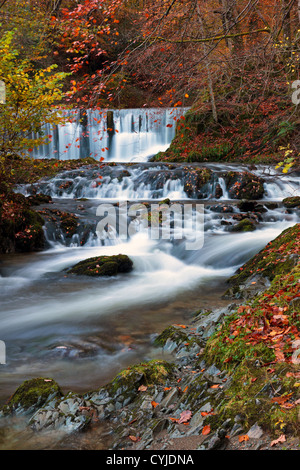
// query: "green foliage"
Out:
[30,99]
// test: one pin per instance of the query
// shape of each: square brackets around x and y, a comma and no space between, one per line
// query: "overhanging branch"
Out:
[214,38]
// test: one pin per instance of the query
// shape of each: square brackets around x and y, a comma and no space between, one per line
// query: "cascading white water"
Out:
[136,135]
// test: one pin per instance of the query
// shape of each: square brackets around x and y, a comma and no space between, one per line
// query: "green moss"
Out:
[250,397]
[103,266]
[171,333]
[278,257]
[245,225]
[32,393]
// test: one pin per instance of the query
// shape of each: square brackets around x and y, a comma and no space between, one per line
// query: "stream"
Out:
[82,331]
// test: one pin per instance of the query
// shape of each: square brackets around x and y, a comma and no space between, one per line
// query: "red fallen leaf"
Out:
[207,413]
[279,440]
[215,386]
[206,430]
[154,404]
[254,379]
[243,438]
[167,388]
[185,416]
[229,359]
[133,438]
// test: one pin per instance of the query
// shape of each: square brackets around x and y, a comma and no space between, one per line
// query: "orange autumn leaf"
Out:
[243,438]
[154,404]
[206,430]
[142,388]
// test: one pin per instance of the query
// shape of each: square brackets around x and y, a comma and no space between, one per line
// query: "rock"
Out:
[244,185]
[291,202]
[246,206]
[37,199]
[103,266]
[255,432]
[32,394]
[211,374]
[245,225]
[215,442]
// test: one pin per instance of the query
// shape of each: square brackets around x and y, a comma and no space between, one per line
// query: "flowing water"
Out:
[83,331]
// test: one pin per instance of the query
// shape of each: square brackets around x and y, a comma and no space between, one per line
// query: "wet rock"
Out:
[244,185]
[37,199]
[291,202]
[103,266]
[246,206]
[245,225]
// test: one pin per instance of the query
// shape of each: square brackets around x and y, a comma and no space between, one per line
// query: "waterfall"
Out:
[116,135]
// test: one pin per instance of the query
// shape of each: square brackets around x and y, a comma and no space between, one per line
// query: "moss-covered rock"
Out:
[244,185]
[245,225]
[103,266]
[32,394]
[291,202]
[149,373]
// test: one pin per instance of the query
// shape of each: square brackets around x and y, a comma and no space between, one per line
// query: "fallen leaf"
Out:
[133,438]
[185,416]
[206,430]
[154,404]
[279,440]
[142,388]
[243,438]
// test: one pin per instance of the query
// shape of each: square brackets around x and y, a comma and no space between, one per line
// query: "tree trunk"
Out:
[286,20]
[229,24]
[208,69]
